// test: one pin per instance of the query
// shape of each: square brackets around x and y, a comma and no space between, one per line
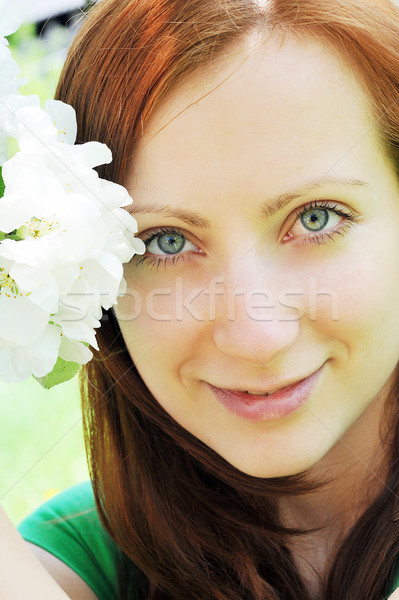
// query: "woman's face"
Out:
[271,213]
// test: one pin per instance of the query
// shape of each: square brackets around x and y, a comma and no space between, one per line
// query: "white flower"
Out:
[67,236]
[10,100]
[9,106]
[9,71]
[27,299]
[63,118]
[28,343]
[37,358]
[36,129]
[63,232]
[10,18]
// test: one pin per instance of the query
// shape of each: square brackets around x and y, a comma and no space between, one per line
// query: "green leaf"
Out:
[2,186]
[13,235]
[63,371]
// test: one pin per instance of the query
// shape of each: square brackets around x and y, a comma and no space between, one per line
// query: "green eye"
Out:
[166,246]
[315,219]
[318,222]
[170,243]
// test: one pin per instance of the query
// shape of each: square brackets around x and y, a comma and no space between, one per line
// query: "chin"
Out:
[263,471]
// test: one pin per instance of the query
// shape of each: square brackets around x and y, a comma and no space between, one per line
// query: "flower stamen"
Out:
[36,228]
[8,285]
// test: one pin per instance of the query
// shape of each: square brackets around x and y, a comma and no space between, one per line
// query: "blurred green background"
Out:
[41,448]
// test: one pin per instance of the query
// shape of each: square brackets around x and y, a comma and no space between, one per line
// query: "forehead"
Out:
[271,113]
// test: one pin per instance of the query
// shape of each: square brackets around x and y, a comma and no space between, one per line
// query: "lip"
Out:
[280,404]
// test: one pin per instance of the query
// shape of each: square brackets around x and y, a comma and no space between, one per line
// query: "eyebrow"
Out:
[268,209]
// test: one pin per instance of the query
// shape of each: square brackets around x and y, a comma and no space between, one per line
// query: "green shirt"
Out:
[68,527]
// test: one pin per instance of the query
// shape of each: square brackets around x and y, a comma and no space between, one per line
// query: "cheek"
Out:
[160,320]
[355,298]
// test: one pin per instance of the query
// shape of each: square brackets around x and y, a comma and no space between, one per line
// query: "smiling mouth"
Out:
[276,404]
[263,394]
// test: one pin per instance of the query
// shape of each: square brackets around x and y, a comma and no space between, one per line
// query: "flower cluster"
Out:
[9,84]
[64,235]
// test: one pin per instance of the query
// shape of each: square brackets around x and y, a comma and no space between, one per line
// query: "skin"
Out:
[15,558]
[267,120]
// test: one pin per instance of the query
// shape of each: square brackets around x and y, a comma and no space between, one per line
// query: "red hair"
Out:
[195,526]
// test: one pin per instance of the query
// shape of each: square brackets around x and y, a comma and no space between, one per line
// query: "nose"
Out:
[253,324]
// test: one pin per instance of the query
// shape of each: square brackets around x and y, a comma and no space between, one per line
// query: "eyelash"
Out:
[322,238]
[319,238]
[156,262]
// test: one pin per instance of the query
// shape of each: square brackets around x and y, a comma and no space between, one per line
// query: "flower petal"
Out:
[39,357]
[10,18]
[21,321]
[35,129]
[64,119]
[75,351]
[7,371]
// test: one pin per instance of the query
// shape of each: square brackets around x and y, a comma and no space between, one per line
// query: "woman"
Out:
[259,140]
